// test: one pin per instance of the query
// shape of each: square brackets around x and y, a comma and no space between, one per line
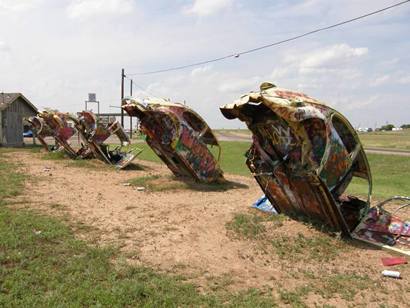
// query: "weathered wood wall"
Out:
[12,122]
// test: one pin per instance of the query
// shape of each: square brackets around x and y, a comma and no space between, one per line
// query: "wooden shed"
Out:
[14,108]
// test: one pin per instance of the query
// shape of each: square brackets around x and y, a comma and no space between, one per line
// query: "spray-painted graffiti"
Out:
[196,154]
[179,137]
[304,155]
[61,131]
[42,131]
[94,134]
[91,133]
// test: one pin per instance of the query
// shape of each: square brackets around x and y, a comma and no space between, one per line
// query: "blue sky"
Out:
[55,52]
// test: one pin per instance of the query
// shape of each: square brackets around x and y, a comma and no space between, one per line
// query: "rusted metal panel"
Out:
[94,134]
[62,132]
[42,131]
[304,155]
[180,137]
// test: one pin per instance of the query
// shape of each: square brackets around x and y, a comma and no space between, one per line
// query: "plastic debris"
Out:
[390,261]
[263,204]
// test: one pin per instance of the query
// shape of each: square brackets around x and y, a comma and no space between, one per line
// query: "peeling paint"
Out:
[180,137]
[94,134]
[304,155]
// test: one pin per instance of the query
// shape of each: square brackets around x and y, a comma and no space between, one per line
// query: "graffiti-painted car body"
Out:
[304,155]
[42,131]
[180,137]
[61,131]
[94,134]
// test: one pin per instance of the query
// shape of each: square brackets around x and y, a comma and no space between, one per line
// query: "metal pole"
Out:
[131,116]
[122,96]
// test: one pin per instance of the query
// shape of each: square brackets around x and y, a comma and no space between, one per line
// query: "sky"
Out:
[56,52]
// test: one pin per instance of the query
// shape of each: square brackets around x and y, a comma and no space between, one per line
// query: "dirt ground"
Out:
[184,232]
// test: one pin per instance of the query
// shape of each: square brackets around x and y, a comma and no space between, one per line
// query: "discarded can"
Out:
[393,274]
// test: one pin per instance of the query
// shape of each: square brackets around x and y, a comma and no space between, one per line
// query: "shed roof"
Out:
[6,99]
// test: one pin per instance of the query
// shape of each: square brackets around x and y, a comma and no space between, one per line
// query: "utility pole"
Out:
[122,96]
[131,116]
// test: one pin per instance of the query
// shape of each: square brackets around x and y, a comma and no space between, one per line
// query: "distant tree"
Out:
[369,130]
[387,127]
[404,126]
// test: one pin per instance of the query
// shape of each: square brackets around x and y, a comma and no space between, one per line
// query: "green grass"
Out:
[60,155]
[399,140]
[147,153]
[389,171]
[345,286]
[251,226]
[93,164]
[390,176]
[232,157]
[295,298]
[297,254]
[254,227]
[42,264]
[11,182]
[320,247]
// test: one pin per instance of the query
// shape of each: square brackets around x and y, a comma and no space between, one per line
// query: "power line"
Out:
[238,54]
[135,85]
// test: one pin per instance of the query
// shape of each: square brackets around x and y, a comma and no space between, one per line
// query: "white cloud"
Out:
[405,80]
[333,55]
[280,72]
[380,81]
[88,8]
[355,104]
[155,34]
[4,47]
[240,85]
[207,7]
[200,70]
[315,70]
[17,5]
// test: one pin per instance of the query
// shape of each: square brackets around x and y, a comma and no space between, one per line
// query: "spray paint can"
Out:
[393,274]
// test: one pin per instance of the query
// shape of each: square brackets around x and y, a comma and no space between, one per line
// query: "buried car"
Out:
[180,137]
[304,155]
[56,125]
[94,133]
[42,131]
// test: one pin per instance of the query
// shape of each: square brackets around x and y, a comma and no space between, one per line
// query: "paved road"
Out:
[387,151]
